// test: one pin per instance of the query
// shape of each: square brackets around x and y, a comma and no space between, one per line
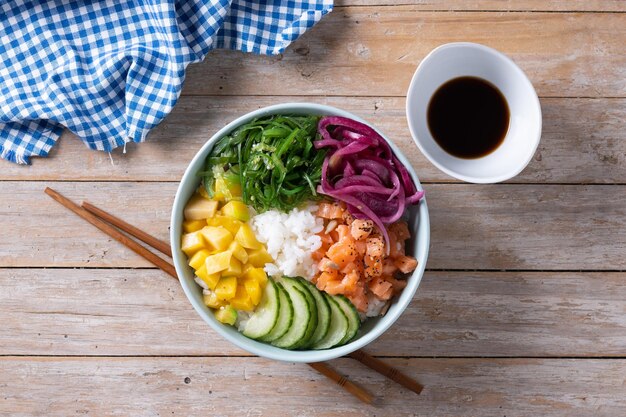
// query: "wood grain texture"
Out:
[584,141]
[374,51]
[257,387]
[497,5]
[546,227]
[144,312]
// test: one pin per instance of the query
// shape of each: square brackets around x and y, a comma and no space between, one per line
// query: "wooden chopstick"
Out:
[386,370]
[113,232]
[129,228]
[343,382]
[93,215]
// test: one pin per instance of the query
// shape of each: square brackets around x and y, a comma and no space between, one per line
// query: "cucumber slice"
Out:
[302,313]
[338,326]
[323,313]
[312,325]
[354,322]
[285,316]
[264,318]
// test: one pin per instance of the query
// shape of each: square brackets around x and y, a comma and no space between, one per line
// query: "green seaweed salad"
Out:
[272,158]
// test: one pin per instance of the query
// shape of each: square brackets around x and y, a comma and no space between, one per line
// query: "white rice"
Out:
[290,239]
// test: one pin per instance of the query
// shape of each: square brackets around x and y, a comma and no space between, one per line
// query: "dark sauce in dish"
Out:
[468,117]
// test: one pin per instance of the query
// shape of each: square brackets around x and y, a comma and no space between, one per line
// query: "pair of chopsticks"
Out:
[110,224]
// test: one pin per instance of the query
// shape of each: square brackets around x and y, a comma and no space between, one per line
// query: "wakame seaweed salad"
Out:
[273,159]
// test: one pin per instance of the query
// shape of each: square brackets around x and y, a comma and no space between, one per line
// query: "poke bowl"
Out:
[284,247]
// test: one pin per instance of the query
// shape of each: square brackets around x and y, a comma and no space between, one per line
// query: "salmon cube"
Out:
[406,264]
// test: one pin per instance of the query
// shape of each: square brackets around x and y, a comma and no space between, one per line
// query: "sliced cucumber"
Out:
[338,326]
[285,316]
[264,318]
[323,313]
[302,313]
[312,325]
[354,322]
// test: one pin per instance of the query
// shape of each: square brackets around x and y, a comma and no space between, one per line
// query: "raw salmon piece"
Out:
[389,268]
[330,211]
[326,265]
[342,253]
[359,298]
[406,264]
[397,284]
[324,278]
[361,247]
[350,282]
[343,232]
[361,229]
[401,230]
[335,287]
[383,290]
[375,247]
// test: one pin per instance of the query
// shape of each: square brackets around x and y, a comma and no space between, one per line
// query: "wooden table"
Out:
[522,309]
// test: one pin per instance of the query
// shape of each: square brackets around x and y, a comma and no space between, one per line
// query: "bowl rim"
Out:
[259,348]
[535,136]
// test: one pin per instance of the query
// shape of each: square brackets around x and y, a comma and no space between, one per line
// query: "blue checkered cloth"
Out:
[110,71]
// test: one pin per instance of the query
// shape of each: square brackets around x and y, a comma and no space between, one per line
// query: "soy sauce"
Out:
[468,117]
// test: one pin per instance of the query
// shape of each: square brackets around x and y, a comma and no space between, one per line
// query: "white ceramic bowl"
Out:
[372,328]
[470,59]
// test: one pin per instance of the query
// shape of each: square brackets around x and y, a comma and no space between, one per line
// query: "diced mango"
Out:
[236,209]
[238,251]
[198,258]
[256,274]
[234,268]
[217,237]
[211,300]
[253,289]
[245,268]
[192,243]
[245,237]
[199,208]
[226,288]
[241,300]
[193,225]
[226,315]
[259,257]
[210,280]
[228,223]
[217,262]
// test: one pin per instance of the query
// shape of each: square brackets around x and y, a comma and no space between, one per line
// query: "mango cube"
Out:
[210,280]
[259,257]
[228,223]
[217,262]
[236,209]
[227,187]
[198,258]
[245,268]
[256,274]
[253,289]
[245,237]
[238,251]
[199,208]
[226,288]
[241,300]
[234,268]
[193,225]
[226,315]
[202,191]
[211,300]
[192,243]
[217,237]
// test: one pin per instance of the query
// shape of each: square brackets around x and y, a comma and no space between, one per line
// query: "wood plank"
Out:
[127,312]
[497,5]
[373,51]
[584,141]
[256,387]
[503,226]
